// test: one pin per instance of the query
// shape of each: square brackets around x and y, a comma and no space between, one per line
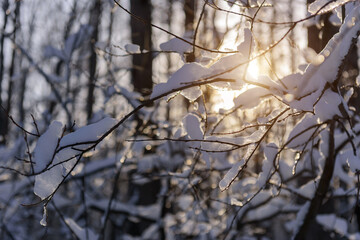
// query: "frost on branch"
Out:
[270,153]
[46,146]
[89,133]
[251,98]
[304,90]
[191,72]
[302,132]
[65,159]
[187,74]
[317,75]
[234,66]
[325,5]
[132,48]
[230,175]
[46,182]
[328,106]
[307,190]
[177,45]
[191,124]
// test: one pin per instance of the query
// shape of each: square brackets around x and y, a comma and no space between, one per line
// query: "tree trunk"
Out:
[141,35]
[11,71]
[189,9]
[94,22]
[3,116]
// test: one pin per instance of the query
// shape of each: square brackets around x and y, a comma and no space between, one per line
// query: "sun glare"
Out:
[253,69]
[225,99]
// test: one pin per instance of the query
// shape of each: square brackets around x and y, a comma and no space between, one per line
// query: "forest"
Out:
[180,119]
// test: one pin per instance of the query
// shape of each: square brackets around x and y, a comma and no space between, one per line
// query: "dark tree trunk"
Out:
[5,6]
[141,35]
[3,116]
[11,71]
[94,22]
[189,9]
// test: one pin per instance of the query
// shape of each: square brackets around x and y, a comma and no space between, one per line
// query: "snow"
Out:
[236,202]
[88,133]
[67,157]
[307,103]
[327,107]
[310,55]
[316,75]
[297,136]
[47,182]
[207,160]
[285,170]
[132,48]
[191,93]
[188,73]
[261,197]
[80,232]
[185,201]
[323,69]
[191,124]
[292,81]
[354,236]
[43,221]
[353,161]
[339,169]
[307,190]
[335,19]
[221,67]
[333,223]
[270,152]
[217,143]
[266,211]
[295,224]
[315,6]
[248,44]
[176,45]
[46,146]
[191,72]
[231,175]
[251,98]
[267,81]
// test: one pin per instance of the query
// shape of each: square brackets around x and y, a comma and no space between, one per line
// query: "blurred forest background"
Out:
[80,61]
